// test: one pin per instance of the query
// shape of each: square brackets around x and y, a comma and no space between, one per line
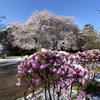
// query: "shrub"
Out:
[58,72]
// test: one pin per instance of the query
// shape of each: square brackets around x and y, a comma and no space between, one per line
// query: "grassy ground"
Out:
[8,88]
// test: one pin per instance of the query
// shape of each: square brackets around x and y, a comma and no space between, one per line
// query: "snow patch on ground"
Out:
[97,78]
[9,60]
[95,98]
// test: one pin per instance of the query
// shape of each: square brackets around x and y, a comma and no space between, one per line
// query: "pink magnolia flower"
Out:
[82,93]
[25,58]
[37,82]
[61,83]
[21,69]
[35,64]
[54,70]
[62,72]
[30,88]
[55,64]
[78,98]
[55,90]
[59,71]
[52,61]
[30,71]
[83,81]
[19,82]
[88,95]
[64,90]
[43,66]
[69,98]
[33,98]
[81,73]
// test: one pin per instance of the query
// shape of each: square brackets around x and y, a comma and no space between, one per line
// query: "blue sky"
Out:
[83,11]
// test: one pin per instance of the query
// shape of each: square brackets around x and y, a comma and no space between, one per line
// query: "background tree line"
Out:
[46,30]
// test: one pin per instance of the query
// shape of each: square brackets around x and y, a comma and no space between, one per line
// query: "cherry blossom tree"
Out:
[44,29]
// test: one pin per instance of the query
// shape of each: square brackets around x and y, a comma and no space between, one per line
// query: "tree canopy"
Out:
[44,29]
[47,30]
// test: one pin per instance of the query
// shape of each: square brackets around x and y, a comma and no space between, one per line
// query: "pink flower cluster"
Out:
[90,56]
[57,70]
